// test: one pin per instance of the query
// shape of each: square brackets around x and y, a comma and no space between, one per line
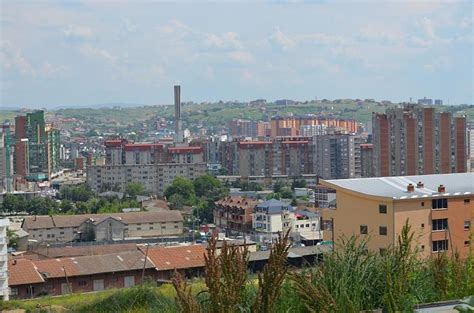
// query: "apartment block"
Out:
[4,291]
[291,125]
[416,140]
[328,156]
[367,160]
[155,178]
[439,208]
[271,217]
[37,147]
[234,214]
[338,156]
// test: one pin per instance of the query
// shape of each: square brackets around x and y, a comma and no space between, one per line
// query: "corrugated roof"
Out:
[395,187]
[93,264]
[71,251]
[47,221]
[169,258]
[23,271]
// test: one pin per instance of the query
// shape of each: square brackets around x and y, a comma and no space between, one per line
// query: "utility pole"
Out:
[67,280]
[144,262]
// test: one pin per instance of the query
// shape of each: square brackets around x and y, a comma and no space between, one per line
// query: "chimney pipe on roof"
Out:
[410,188]
[441,188]
[420,185]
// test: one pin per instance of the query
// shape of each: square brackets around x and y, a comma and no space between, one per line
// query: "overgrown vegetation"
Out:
[351,279]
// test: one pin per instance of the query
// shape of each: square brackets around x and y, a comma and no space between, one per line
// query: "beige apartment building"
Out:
[439,208]
[103,227]
[154,177]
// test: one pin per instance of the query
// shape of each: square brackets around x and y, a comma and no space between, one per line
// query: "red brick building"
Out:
[234,213]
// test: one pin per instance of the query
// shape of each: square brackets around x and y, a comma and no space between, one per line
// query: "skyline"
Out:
[85,53]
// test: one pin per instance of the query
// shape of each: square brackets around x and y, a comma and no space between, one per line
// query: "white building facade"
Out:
[4,291]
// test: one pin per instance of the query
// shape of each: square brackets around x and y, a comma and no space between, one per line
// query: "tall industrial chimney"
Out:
[179,136]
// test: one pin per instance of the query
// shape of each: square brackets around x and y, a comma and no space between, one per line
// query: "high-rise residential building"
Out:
[153,165]
[37,147]
[367,160]
[247,128]
[425,101]
[415,140]
[439,208]
[313,130]
[328,156]
[6,159]
[338,156]
[291,125]
[4,290]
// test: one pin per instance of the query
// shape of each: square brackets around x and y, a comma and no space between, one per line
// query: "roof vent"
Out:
[410,188]
[420,185]
[441,188]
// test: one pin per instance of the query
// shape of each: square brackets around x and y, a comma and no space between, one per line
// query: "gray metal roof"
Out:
[274,206]
[396,187]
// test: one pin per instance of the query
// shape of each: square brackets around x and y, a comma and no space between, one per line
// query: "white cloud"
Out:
[229,40]
[12,59]
[90,51]
[323,65]
[74,32]
[175,27]
[282,40]
[243,57]
[428,27]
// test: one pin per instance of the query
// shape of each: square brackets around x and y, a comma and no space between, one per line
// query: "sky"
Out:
[61,53]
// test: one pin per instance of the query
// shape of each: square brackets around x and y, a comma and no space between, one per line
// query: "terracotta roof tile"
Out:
[23,271]
[169,258]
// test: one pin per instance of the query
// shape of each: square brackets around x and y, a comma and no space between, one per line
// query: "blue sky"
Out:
[90,52]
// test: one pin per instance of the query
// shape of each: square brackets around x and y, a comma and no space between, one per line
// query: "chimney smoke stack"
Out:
[441,188]
[410,188]
[179,136]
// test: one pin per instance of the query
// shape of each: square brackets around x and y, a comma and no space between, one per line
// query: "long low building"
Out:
[154,177]
[59,276]
[439,208]
[103,227]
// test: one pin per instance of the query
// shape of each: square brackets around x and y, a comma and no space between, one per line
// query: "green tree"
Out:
[176,201]
[297,183]
[76,193]
[278,186]
[13,203]
[12,239]
[286,193]
[66,206]
[209,187]
[134,189]
[183,187]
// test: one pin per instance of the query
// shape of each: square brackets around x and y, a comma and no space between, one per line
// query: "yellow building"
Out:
[439,208]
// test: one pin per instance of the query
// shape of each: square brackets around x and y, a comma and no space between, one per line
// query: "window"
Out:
[467,242]
[382,251]
[439,204]
[422,203]
[422,225]
[382,209]
[440,245]
[82,283]
[383,230]
[467,225]
[151,227]
[13,291]
[440,224]
[364,229]
[176,226]
[422,248]
[61,233]
[467,201]
[139,228]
